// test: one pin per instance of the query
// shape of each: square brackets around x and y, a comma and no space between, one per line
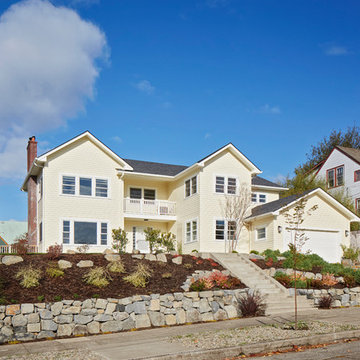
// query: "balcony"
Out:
[149,209]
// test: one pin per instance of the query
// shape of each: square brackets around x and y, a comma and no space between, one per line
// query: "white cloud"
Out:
[117,139]
[267,109]
[334,50]
[48,70]
[145,86]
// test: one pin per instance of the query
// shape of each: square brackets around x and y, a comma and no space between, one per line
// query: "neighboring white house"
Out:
[341,170]
[81,190]
[10,230]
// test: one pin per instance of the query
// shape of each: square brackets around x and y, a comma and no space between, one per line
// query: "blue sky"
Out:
[178,79]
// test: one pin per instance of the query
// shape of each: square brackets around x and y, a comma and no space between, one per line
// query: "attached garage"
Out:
[325,243]
[326,228]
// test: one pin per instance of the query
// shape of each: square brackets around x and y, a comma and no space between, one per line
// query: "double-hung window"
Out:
[191,231]
[335,177]
[261,233]
[356,175]
[225,230]
[225,185]
[262,198]
[191,186]
[104,234]
[66,232]
[254,197]
[357,206]
[137,193]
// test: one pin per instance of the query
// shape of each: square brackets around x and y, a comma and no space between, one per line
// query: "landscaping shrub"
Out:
[97,276]
[166,275]
[139,277]
[41,298]
[350,253]
[300,284]
[215,280]
[251,304]
[21,245]
[271,254]
[152,236]
[325,302]
[167,240]
[349,280]
[315,284]
[329,280]
[57,298]
[54,252]
[282,278]
[53,271]
[220,280]
[29,276]
[187,266]
[254,252]
[120,240]
[202,284]
[357,277]
[116,266]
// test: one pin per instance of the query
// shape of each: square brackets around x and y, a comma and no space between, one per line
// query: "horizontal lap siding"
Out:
[82,158]
[225,164]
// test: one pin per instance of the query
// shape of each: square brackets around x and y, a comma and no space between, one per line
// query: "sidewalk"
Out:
[152,342]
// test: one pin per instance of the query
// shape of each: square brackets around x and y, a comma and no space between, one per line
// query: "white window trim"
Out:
[258,198]
[77,186]
[142,192]
[226,230]
[256,233]
[98,231]
[197,186]
[191,232]
[226,177]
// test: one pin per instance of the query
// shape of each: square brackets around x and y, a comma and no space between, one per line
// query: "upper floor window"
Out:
[261,198]
[356,175]
[357,206]
[225,185]
[191,186]
[335,177]
[68,185]
[137,193]
[84,186]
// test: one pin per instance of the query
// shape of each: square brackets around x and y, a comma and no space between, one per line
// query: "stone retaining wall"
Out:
[93,316]
[342,297]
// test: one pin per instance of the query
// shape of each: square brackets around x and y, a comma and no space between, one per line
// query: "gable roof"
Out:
[352,153]
[254,169]
[260,181]
[92,138]
[276,204]
[149,167]
[274,207]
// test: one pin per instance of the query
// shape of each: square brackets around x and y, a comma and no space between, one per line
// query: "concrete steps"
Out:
[276,296]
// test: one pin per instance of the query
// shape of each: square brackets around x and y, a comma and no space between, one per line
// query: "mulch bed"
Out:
[72,287]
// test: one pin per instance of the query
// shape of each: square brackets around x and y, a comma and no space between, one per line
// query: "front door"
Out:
[139,241]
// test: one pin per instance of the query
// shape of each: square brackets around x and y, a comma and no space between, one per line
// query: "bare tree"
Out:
[235,209]
[294,219]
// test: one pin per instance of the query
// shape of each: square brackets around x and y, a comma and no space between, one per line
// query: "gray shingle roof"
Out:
[148,167]
[257,180]
[277,204]
[351,152]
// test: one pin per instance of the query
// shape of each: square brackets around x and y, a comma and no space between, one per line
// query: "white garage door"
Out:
[325,243]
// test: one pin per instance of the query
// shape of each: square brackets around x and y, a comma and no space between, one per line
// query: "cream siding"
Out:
[82,158]
[268,242]
[211,203]
[325,217]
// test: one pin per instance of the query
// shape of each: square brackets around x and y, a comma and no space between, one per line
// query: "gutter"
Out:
[34,170]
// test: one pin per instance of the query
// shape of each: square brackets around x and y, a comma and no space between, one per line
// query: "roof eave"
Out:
[269,187]
[34,171]
[147,175]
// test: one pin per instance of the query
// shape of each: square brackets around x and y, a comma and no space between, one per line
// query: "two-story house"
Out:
[81,190]
[341,170]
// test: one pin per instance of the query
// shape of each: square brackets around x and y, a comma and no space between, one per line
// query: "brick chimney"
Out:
[31,189]
[31,151]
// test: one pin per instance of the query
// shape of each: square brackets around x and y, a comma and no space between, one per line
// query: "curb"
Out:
[222,353]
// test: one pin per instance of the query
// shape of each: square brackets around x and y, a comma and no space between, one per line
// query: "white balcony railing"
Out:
[11,249]
[149,207]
